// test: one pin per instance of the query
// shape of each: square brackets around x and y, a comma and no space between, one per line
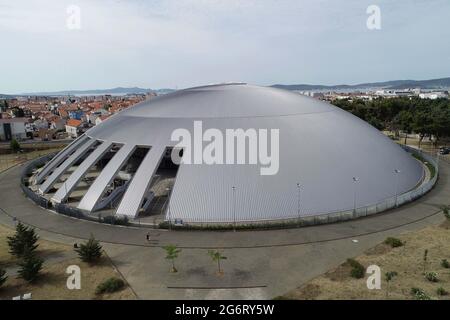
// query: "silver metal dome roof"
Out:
[321,147]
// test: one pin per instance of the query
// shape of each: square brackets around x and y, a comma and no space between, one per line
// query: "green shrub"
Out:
[30,266]
[121,221]
[358,270]
[393,242]
[3,276]
[91,251]
[441,291]
[110,285]
[431,276]
[445,264]
[23,240]
[419,294]
[14,145]
[445,211]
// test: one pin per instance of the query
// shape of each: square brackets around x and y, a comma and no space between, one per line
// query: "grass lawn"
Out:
[52,282]
[9,160]
[406,260]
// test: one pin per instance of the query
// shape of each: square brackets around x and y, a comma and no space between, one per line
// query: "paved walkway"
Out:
[260,264]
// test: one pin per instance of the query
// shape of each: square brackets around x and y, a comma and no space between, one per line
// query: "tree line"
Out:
[425,117]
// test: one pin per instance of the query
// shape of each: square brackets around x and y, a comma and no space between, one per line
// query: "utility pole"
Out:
[234,208]
[298,200]
[355,180]
[396,172]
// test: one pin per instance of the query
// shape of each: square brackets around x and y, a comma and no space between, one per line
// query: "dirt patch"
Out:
[446,224]
[381,248]
[406,260]
[340,273]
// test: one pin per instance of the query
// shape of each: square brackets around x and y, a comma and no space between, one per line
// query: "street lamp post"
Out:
[396,172]
[298,200]
[437,159]
[355,180]
[234,208]
[168,209]
[65,192]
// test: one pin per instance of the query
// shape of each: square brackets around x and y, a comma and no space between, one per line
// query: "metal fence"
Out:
[329,217]
[386,204]
[26,173]
[336,216]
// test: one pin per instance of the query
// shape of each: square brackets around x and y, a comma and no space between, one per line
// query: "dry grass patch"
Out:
[10,160]
[407,261]
[45,249]
[51,284]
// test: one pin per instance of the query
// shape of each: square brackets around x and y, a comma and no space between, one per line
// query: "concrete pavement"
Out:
[260,264]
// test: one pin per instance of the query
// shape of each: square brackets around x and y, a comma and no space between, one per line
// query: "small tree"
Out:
[445,211]
[30,266]
[216,256]
[172,253]
[23,240]
[425,258]
[3,276]
[393,242]
[389,276]
[14,145]
[357,270]
[91,251]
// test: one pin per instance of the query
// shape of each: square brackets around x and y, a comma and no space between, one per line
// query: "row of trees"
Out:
[23,245]
[172,252]
[422,116]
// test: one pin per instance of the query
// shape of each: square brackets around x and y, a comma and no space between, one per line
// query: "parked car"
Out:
[444,150]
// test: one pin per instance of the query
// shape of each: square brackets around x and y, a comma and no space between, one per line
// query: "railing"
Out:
[329,217]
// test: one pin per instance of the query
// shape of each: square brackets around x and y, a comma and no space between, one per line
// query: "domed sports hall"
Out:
[325,161]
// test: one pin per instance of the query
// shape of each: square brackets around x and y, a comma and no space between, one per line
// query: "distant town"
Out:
[66,116]
[369,95]
[48,118]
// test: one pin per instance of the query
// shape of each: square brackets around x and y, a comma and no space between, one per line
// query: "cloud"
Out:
[164,43]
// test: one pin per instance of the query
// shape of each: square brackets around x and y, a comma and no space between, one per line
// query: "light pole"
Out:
[298,200]
[168,209]
[396,172]
[355,180]
[65,193]
[234,208]
[437,159]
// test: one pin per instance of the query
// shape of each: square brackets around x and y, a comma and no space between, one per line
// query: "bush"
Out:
[23,240]
[419,294]
[3,277]
[441,291]
[357,269]
[14,145]
[445,264]
[91,251]
[445,211]
[431,276]
[393,242]
[115,221]
[30,266]
[110,285]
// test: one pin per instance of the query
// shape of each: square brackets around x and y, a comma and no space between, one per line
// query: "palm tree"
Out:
[172,253]
[216,256]
[389,276]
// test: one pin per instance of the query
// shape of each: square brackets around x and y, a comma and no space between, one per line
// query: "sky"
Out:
[183,43]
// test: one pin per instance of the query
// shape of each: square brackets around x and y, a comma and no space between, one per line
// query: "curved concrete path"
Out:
[14,204]
[260,264]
